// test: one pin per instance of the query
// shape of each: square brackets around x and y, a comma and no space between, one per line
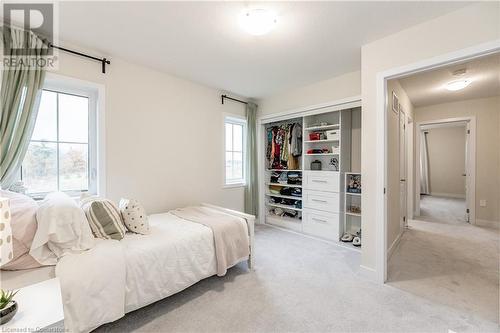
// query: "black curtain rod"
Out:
[233,99]
[103,61]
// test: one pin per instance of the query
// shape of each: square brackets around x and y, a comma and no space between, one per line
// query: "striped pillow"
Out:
[104,218]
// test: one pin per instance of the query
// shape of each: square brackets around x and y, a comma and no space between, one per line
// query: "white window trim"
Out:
[96,93]
[240,120]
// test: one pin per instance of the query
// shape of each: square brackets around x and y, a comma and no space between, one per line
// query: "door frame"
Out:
[470,194]
[381,140]
[404,220]
[410,167]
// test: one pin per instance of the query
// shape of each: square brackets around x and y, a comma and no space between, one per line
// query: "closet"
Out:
[307,158]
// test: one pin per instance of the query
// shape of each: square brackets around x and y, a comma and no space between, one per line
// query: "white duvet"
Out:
[116,277]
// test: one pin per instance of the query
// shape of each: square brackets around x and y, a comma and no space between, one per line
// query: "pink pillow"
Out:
[23,223]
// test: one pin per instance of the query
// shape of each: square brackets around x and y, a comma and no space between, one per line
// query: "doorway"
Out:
[445,252]
[445,170]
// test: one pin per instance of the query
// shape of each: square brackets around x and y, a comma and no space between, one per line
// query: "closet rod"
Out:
[233,99]
[103,61]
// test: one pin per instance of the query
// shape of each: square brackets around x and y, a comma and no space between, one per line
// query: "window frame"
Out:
[80,89]
[235,120]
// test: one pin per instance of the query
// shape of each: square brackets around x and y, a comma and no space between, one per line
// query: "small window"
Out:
[235,133]
[61,155]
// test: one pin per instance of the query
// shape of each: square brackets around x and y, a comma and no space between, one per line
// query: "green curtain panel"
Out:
[251,189]
[21,91]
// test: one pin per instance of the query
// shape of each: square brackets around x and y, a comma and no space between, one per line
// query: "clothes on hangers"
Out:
[284,146]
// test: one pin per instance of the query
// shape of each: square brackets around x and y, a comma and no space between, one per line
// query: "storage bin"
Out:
[314,136]
[333,135]
[316,165]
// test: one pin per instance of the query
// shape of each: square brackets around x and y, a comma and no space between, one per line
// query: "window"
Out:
[62,154]
[235,133]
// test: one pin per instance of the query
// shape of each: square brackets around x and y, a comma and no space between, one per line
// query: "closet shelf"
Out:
[284,218]
[324,154]
[355,194]
[284,185]
[353,214]
[284,196]
[319,128]
[284,206]
[314,141]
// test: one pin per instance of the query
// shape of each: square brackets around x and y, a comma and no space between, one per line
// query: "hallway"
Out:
[451,263]
[442,209]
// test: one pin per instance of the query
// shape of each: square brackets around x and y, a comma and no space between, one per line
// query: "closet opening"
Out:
[310,172]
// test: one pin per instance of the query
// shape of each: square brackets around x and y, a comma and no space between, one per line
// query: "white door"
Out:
[402,170]
[466,174]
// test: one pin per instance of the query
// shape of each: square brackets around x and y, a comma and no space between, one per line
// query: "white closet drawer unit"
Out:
[326,201]
[321,224]
[328,181]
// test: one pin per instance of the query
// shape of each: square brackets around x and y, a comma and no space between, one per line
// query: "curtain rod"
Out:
[233,99]
[103,61]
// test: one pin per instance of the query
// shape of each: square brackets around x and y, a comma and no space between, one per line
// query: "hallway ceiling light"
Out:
[258,22]
[458,85]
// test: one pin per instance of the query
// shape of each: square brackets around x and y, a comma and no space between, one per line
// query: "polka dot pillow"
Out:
[134,216]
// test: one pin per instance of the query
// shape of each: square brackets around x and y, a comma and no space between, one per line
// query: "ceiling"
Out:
[203,42]
[429,88]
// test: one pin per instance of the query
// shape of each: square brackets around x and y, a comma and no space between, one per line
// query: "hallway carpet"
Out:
[441,209]
[299,284]
[452,264]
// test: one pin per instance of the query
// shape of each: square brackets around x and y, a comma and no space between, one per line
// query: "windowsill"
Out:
[235,185]
[75,196]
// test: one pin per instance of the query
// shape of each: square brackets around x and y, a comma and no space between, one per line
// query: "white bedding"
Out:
[175,255]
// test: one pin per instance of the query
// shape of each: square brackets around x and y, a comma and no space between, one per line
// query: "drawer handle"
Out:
[319,181]
[319,220]
[322,201]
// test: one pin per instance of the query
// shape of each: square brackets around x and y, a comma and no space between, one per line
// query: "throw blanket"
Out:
[230,234]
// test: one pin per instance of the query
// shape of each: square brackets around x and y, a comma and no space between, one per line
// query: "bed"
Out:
[116,277]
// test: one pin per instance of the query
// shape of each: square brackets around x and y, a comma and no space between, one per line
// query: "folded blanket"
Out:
[230,234]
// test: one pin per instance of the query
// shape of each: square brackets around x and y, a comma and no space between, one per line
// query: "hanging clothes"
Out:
[279,151]
[296,140]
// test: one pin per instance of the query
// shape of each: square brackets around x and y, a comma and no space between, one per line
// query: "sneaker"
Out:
[347,237]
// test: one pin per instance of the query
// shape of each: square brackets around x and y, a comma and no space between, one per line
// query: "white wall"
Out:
[164,135]
[343,86]
[487,113]
[432,38]
[446,151]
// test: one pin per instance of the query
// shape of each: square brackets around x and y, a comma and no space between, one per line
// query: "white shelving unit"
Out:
[323,199]
[352,222]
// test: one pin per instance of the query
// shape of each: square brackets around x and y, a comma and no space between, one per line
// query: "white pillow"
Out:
[134,216]
[62,229]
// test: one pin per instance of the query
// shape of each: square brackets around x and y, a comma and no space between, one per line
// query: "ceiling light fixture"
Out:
[458,85]
[258,22]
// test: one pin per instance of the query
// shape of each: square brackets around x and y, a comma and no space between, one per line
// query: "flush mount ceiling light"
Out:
[258,22]
[458,84]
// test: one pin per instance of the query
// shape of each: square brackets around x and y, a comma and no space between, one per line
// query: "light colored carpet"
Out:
[452,264]
[441,209]
[299,285]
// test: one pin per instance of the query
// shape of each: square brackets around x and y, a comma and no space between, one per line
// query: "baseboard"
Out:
[448,195]
[488,223]
[394,245]
[368,273]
